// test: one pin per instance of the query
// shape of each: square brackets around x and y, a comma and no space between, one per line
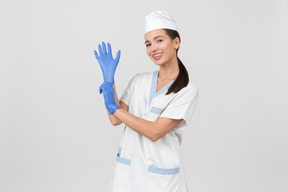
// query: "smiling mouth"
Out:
[157,56]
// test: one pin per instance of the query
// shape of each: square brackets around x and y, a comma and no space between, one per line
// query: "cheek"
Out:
[164,46]
[147,51]
[170,51]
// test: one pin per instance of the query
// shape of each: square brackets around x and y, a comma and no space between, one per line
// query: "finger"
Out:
[96,54]
[109,49]
[100,50]
[104,48]
[118,56]
[107,87]
[104,86]
[101,89]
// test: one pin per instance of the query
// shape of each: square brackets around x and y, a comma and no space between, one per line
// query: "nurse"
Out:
[155,108]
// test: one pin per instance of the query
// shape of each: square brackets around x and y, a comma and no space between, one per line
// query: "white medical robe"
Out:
[141,164]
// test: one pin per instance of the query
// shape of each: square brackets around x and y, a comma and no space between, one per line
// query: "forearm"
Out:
[113,119]
[149,129]
[142,126]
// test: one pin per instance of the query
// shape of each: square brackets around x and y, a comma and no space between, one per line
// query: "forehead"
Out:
[149,36]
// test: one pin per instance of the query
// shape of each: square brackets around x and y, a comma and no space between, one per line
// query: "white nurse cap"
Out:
[159,20]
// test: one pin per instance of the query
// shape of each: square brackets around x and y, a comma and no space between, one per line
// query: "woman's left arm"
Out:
[151,130]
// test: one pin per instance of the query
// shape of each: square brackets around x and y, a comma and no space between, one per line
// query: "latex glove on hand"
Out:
[108,92]
[107,63]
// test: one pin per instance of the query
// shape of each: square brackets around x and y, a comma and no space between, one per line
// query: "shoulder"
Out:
[186,96]
[191,88]
[142,77]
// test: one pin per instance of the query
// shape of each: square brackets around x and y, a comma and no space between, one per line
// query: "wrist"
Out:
[110,81]
[112,108]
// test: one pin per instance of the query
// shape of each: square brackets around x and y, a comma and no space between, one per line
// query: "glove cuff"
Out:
[109,81]
[113,108]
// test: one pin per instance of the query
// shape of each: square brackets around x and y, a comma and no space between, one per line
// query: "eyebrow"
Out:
[154,38]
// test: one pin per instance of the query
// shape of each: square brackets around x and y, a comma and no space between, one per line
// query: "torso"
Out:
[161,84]
[143,165]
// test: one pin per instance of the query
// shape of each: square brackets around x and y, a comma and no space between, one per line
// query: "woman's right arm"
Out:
[113,119]
[108,66]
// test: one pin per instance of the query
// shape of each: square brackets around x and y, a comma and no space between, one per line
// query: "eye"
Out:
[148,45]
[159,40]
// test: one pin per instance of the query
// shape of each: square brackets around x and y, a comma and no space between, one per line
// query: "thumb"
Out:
[101,89]
[96,54]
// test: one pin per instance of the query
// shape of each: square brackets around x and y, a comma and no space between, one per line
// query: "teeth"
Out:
[157,55]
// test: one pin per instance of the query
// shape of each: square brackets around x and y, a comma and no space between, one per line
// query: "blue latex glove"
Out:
[108,92]
[107,63]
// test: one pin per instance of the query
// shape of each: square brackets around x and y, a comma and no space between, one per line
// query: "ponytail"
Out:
[181,80]
[183,76]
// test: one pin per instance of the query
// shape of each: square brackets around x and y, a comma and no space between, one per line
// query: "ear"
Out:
[176,43]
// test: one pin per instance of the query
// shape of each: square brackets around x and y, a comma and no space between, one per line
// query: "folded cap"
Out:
[159,20]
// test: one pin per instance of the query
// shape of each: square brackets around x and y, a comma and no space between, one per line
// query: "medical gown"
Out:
[141,164]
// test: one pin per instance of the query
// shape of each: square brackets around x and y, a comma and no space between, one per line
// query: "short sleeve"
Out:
[183,105]
[125,97]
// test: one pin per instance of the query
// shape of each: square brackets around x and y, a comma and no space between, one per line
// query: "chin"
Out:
[159,63]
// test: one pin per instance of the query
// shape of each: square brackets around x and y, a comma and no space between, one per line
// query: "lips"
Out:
[157,56]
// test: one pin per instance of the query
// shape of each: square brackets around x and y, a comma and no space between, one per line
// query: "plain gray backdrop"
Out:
[55,134]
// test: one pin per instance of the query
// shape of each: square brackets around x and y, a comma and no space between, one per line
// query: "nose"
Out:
[154,47]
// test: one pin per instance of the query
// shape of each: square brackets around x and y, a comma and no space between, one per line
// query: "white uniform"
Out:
[143,165]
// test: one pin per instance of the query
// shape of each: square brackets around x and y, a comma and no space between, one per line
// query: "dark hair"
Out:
[183,76]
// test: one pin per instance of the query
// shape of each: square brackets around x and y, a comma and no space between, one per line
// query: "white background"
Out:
[55,134]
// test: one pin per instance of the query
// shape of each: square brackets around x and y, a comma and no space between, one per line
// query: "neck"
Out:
[169,71]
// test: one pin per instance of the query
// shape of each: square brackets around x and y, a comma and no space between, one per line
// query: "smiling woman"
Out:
[163,39]
[156,107]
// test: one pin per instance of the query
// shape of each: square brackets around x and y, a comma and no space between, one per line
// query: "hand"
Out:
[108,92]
[107,63]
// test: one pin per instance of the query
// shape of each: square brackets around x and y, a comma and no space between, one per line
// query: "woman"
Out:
[156,108]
